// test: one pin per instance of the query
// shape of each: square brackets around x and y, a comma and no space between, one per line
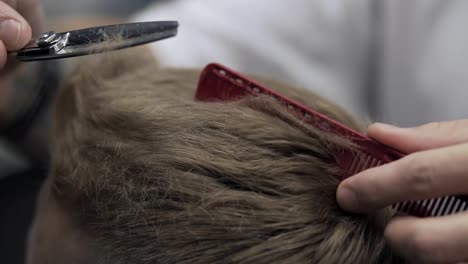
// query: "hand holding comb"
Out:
[218,83]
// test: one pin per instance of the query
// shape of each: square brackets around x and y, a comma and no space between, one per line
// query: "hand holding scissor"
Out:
[51,45]
[16,44]
[19,21]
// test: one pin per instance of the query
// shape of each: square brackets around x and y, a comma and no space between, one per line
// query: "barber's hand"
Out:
[438,166]
[19,21]
[16,18]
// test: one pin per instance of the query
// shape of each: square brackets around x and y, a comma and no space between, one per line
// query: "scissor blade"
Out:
[131,34]
[101,39]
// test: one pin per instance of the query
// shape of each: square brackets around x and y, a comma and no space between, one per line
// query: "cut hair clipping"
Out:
[51,45]
[218,84]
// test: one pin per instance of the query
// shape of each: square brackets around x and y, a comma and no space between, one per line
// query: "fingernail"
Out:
[10,31]
[347,199]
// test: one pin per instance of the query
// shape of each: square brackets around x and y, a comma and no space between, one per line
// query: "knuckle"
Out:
[419,175]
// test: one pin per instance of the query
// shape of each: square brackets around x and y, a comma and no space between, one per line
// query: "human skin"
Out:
[20,21]
[436,166]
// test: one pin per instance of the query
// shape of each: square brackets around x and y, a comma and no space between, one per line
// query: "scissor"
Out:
[51,45]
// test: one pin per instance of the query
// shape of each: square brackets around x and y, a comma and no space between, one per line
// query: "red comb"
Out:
[218,83]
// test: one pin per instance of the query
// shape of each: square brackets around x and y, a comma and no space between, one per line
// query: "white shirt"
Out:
[403,62]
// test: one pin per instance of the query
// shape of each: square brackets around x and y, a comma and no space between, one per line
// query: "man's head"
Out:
[141,173]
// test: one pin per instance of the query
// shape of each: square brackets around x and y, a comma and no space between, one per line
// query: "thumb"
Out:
[15,31]
[429,136]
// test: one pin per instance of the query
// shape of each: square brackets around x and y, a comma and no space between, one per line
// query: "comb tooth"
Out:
[460,206]
[366,163]
[442,206]
[363,161]
[409,207]
[350,161]
[353,164]
[403,207]
[423,209]
[435,206]
[398,206]
[379,163]
[429,207]
[456,207]
[448,205]
[430,203]
[393,211]
[420,210]
[455,203]
[373,163]
[357,164]
[370,162]
[464,206]
[415,207]
[439,205]
[347,159]
[448,208]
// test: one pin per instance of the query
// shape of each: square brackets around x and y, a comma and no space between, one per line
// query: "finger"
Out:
[4,88]
[418,176]
[3,55]
[15,32]
[32,11]
[433,135]
[430,240]
[11,3]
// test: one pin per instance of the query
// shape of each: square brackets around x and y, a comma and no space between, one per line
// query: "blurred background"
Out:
[56,8]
